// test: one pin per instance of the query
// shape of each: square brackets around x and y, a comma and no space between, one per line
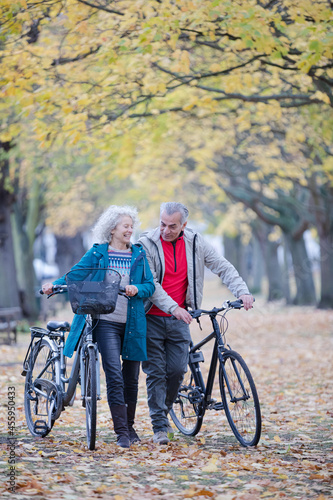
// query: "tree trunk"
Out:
[69,252]
[234,252]
[305,289]
[25,269]
[270,256]
[24,222]
[323,210]
[257,268]
[273,270]
[285,271]
[9,294]
[326,271]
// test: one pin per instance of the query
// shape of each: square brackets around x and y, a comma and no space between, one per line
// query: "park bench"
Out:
[8,321]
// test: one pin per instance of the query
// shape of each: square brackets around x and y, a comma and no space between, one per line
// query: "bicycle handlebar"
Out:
[56,289]
[235,304]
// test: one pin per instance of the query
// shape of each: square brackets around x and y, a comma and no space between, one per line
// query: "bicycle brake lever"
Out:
[122,292]
[195,314]
[236,304]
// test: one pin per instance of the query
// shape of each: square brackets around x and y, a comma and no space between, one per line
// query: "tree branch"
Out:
[66,60]
[100,7]
[205,75]
[302,98]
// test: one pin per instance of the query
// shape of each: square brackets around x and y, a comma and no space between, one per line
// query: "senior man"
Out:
[177,257]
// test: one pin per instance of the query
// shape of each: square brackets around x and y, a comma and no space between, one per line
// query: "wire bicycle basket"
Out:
[94,295]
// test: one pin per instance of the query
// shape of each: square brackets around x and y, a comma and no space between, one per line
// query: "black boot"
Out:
[119,417]
[134,438]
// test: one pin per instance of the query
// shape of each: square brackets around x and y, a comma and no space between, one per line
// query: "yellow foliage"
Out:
[215,67]
[105,83]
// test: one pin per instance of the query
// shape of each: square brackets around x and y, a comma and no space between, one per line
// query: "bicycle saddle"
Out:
[54,326]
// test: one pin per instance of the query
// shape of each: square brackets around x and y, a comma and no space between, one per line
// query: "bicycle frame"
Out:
[77,370]
[216,354]
[196,372]
[78,364]
[85,343]
[240,400]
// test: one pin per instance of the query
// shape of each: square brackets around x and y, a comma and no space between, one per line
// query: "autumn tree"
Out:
[108,76]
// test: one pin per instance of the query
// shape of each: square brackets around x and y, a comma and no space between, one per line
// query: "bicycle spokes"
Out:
[42,397]
[240,399]
[187,410]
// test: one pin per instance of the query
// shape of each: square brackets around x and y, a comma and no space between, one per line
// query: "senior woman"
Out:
[122,332]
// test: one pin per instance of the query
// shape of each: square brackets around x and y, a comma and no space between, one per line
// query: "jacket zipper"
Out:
[194,274]
[174,254]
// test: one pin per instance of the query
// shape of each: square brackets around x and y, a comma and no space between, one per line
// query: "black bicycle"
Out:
[240,400]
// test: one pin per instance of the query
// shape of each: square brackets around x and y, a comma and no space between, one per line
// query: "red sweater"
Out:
[175,277]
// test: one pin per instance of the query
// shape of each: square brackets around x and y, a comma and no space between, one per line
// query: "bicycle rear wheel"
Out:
[42,396]
[90,380]
[186,411]
[240,399]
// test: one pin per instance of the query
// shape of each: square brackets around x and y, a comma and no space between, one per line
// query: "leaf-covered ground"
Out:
[289,352]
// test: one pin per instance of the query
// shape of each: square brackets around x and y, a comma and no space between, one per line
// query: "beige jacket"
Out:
[199,254]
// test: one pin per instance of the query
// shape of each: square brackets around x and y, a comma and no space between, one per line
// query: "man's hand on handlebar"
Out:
[247,301]
[47,288]
[182,314]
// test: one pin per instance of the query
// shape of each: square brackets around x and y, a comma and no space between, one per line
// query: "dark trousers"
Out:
[168,342]
[121,378]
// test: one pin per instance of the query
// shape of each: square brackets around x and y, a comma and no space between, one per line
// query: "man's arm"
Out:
[228,274]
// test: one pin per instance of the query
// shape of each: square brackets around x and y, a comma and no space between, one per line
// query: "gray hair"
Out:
[172,207]
[110,219]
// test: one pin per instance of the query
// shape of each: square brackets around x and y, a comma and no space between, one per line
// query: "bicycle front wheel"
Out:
[186,411]
[90,381]
[42,396]
[240,399]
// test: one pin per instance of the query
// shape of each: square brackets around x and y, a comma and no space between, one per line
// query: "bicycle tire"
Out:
[242,409]
[187,416]
[90,392]
[36,405]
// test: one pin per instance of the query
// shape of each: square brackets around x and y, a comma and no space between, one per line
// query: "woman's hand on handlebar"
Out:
[131,290]
[47,288]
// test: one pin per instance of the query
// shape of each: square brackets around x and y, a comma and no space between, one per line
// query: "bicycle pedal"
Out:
[40,426]
[218,406]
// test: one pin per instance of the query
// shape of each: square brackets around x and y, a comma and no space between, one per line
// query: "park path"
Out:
[289,352]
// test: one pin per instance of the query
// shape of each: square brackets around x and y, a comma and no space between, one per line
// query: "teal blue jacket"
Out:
[134,345]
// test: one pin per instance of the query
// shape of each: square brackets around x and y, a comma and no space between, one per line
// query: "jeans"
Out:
[168,342]
[121,379]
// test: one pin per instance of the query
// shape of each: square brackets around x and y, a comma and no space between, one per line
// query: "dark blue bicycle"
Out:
[239,396]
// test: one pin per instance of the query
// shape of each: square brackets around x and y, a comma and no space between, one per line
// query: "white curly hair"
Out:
[109,219]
